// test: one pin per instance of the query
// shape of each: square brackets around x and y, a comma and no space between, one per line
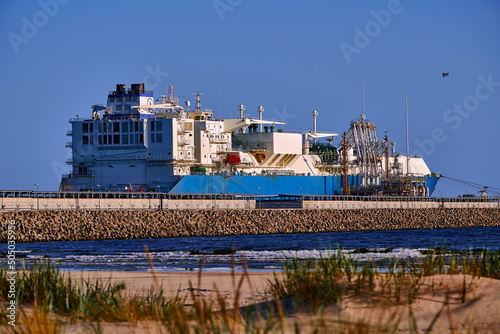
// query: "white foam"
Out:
[255,260]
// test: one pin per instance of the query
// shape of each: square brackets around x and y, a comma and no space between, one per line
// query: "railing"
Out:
[219,140]
[389,198]
[282,197]
[212,201]
[129,92]
[86,159]
[69,133]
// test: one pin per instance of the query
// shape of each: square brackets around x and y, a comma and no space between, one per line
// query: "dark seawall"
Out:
[51,225]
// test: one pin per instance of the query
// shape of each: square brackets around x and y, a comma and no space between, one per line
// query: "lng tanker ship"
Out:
[137,143]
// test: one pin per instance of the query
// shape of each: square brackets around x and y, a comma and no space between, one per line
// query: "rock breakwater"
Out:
[59,225]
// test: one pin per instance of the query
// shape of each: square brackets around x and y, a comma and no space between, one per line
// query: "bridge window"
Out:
[116,126]
[136,126]
[85,140]
[119,107]
[159,138]
[124,139]
[100,139]
[82,171]
[127,98]
[152,137]
[124,126]
[152,125]
[85,127]
[116,139]
[158,126]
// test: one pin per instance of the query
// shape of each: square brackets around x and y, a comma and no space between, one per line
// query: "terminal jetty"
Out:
[66,225]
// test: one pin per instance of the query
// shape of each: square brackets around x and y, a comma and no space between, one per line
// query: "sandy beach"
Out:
[479,312]
[252,290]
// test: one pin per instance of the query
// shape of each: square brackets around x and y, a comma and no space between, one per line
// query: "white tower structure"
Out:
[241,108]
[260,110]
[314,115]
[198,102]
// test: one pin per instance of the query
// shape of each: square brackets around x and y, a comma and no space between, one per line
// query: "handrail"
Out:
[283,197]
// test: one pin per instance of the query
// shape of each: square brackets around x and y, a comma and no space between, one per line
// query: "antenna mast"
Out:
[345,180]
[363,99]
[407,140]
[198,101]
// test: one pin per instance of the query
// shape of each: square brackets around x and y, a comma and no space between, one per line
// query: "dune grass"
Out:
[50,299]
[327,279]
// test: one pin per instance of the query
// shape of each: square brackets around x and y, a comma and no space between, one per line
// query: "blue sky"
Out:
[58,57]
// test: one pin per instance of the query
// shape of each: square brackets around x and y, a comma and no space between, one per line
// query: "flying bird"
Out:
[447,75]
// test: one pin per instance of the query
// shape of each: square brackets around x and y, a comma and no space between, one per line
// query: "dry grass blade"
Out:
[197,304]
[438,314]
[200,272]
[245,271]
[233,265]
[151,266]
[281,316]
[451,321]
[222,305]
[412,320]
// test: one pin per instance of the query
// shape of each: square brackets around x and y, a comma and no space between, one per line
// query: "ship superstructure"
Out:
[137,143]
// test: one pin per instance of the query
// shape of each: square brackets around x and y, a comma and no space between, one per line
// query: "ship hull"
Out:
[270,185]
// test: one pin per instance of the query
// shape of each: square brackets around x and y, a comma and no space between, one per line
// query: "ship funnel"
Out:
[120,89]
[260,110]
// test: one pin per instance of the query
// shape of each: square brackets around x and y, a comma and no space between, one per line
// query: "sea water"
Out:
[256,252]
